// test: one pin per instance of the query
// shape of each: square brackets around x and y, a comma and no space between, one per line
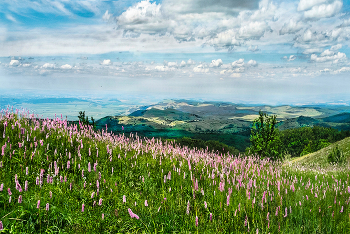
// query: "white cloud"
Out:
[236,75]
[254,30]
[296,70]
[312,51]
[253,48]
[182,64]
[327,56]
[216,63]
[14,62]
[327,53]
[11,18]
[266,11]
[291,27]
[346,23]
[191,62]
[252,63]
[66,66]
[336,47]
[172,64]
[144,17]
[225,39]
[200,68]
[324,10]
[308,4]
[164,68]
[343,69]
[238,63]
[107,16]
[106,62]
[49,65]
[292,57]
[231,7]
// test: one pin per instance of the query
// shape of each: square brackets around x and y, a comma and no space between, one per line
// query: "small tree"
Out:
[84,120]
[336,156]
[264,137]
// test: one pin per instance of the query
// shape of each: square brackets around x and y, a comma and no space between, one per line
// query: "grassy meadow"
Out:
[61,178]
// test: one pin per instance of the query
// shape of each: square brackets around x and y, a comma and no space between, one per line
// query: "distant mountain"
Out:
[228,122]
[339,118]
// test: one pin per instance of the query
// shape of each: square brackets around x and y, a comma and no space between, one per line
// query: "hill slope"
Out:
[319,158]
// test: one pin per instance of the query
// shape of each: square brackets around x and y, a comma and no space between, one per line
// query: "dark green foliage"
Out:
[336,156]
[305,140]
[264,137]
[84,120]
[210,145]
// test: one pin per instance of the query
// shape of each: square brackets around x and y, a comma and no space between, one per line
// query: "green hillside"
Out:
[319,158]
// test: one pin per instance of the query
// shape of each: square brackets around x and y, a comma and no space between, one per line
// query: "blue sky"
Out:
[248,51]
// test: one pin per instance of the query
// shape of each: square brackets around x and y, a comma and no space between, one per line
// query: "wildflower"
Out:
[158,209]
[100,202]
[1,187]
[246,221]
[205,205]
[103,216]
[92,195]
[38,205]
[124,199]
[342,209]
[20,199]
[132,215]
[47,206]
[286,210]
[268,215]
[26,185]
[9,191]
[50,194]
[146,204]
[82,207]
[188,208]
[197,221]
[10,199]
[211,216]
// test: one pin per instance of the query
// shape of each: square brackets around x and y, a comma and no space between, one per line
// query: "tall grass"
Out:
[61,178]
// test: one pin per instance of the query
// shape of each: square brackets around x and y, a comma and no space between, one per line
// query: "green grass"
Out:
[246,194]
[318,159]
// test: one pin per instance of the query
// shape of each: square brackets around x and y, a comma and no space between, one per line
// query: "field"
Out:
[61,178]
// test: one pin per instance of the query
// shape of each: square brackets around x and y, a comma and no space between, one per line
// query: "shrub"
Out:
[336,156]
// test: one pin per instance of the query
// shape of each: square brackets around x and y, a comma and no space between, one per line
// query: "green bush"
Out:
[336,156]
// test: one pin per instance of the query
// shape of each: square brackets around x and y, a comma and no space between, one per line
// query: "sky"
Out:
[268,52]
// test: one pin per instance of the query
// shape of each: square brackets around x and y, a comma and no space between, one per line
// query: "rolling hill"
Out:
[318,159]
